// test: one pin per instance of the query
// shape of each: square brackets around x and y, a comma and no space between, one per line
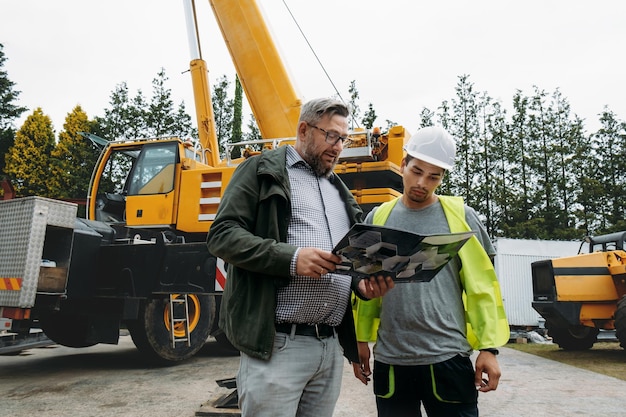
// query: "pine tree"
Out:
[516,172]
[115,123]
[160,116]
[132,118]
[183,127]
[138,118]
[8,111]
[466,130]
[489,154]
[589,193]
[610,144]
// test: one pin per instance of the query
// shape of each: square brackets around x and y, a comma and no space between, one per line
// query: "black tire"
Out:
[573,337]
[620,322]
[151,332]
[67,329]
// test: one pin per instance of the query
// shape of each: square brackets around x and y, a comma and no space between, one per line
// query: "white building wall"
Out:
[513,268]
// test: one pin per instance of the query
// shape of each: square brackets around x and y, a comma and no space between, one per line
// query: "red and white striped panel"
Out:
[220,275]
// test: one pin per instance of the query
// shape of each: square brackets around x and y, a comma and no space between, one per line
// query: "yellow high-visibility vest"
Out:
[487,325]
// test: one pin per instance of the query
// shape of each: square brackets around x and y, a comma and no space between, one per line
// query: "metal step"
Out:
[180,299]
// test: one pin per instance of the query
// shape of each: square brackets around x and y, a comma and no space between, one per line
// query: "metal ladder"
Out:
[182,301]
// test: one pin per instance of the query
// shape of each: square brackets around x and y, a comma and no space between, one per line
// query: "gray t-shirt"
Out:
[424,322]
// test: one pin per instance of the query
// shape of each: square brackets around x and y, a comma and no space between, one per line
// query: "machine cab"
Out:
[135,183]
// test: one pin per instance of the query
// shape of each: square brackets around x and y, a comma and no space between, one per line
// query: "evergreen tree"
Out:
[160,116]
[162,120]
[516,173]
[138,117]
[369,118]
[237,135]
[552,131]
[132,118]
[73,158]
[568,135]
[253,130]
[496,177]
[253,134]
[353,105]
[28,160]
[589,194]
[426,118]
[537,175]
[445,121]
[223,112]
[489,153]
[9,111]
[466,131]
[611,163]
[116,121]
[183,127]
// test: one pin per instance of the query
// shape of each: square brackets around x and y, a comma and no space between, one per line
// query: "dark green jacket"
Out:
[249,234]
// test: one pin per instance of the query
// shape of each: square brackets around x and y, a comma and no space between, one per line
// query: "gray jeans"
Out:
[302,378]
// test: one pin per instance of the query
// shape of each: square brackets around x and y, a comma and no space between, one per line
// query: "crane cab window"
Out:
[153,173]
[140,169]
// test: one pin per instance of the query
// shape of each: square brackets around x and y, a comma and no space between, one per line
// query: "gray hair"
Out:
[313,110]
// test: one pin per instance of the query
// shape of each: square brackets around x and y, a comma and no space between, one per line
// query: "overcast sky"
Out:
[403,54]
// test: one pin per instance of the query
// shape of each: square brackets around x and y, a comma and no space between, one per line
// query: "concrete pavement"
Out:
[113,381]
[530,386]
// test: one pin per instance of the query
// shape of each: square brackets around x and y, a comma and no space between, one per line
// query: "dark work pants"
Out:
[446,389]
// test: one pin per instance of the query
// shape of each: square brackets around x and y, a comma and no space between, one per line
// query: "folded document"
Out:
[405,256]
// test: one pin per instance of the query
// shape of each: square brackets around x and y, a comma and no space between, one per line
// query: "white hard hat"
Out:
[434,145]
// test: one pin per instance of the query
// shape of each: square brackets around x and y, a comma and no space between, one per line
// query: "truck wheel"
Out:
[70,330]
[151,331]
[573,337]
[620,322]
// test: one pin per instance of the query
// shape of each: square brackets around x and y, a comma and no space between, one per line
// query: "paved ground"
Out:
[534,386]
[530,386]
[112,381]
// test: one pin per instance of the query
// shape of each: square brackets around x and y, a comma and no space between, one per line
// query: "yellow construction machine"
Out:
[581,295]
[139,259]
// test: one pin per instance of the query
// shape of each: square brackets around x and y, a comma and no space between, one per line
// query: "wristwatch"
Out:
[491,350]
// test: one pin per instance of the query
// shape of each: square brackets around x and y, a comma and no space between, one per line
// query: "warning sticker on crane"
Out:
[10,284]
[220,275]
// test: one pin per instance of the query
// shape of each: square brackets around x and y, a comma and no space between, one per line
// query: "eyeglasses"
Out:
[331,137]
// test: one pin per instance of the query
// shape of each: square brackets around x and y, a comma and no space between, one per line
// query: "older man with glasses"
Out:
[284,307]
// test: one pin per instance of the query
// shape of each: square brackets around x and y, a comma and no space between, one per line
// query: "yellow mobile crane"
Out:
[139,259]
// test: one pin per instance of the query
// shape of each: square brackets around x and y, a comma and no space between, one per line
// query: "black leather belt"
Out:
[320,331]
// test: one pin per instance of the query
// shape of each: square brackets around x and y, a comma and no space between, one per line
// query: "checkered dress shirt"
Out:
[318,219]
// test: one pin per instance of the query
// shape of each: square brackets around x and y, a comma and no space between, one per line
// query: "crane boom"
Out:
[262,74]
[205,118]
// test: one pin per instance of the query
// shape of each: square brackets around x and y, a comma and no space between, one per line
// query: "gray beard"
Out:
[317,164]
